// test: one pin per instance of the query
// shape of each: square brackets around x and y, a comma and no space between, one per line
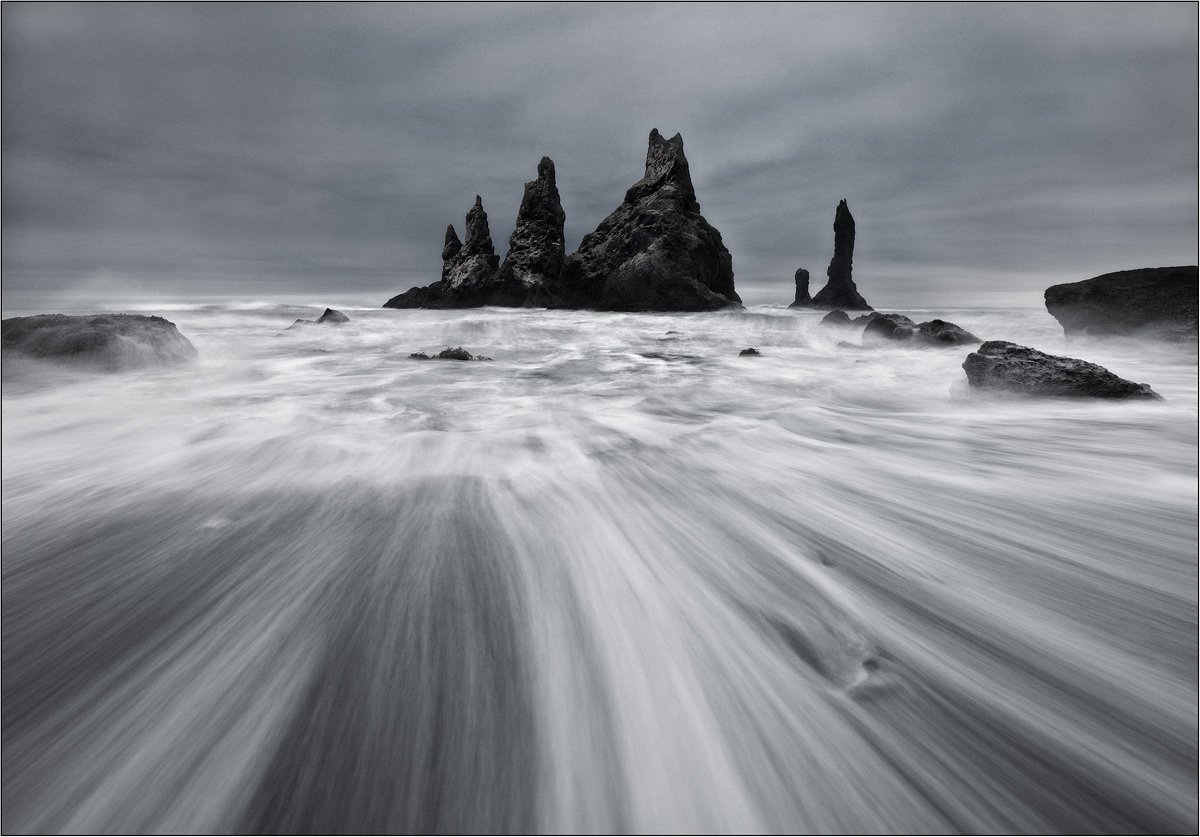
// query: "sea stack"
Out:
[803,298]
[655,252]
[468,270]
[840,291]
[536,247]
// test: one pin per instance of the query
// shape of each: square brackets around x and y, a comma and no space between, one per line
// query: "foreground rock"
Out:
[840,291]
[1002,366]
[330,316]
[458,353]
[655,252]
[108,342]
[898,327]
[1155,302]
[803,298]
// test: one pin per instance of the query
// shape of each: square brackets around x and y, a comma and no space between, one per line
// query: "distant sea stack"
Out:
[840,291]
[655,252]
[803,298]
[1157,302]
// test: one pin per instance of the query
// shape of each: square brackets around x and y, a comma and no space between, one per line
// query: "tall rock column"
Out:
[537,245]
[840,291]
[475,263]
[803,299]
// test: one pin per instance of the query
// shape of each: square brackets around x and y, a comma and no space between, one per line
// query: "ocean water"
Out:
[616,580]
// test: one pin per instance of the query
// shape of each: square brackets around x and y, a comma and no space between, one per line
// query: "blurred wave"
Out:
[616,580]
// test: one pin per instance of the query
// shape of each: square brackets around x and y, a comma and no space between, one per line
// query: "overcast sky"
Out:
[288,150]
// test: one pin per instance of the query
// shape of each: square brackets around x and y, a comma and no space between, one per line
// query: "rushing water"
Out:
[615,580]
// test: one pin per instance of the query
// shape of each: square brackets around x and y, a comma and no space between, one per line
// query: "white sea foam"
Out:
[614,580]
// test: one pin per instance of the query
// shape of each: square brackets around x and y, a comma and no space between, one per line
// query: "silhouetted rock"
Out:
[536,247]
[888,327]
[840,291]
[1002,366]
[749,353]
[655,252]
[1151,302]
[468,270]
[108,342]
[333,316]
[838,318]
[803,298]
[942,333]
[458,353]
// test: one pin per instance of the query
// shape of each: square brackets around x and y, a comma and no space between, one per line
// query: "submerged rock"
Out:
[942,333]
[838,318]
[330,316]
[1156,302]
[1002,366]
[655,252]
[750,353]
[840,291]
[898,327]
[803,298]
[108,342]
[888,327]
[457,353]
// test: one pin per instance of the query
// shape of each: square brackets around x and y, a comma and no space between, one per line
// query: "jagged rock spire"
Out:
[452,245]
[537,245]
[666,169]
[840,291]
[479,236]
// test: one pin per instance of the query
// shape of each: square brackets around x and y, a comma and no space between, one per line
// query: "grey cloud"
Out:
[976,144]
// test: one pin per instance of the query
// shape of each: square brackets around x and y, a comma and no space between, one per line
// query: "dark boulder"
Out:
[942,333]
[108,342]
[654,252]
[1002,366]
[888,327]
[838,318]
[536,247]
[803,298]
[840,291]
[330,316]
[1158,302]
[458,353]
[749,353]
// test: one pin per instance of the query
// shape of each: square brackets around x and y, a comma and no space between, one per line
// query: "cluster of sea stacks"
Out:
[655,252]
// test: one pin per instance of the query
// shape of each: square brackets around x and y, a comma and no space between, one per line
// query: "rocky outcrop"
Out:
[457,353]
[837,317]
[654,252]
[840,291]
[751,352]
[536,247]
[330,316]
[108,342]
[803,298]
[468,270]
[1002,366]
[1155,302]
[897,327]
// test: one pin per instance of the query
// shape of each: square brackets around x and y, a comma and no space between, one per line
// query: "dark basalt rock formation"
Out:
[840,291]
[838,318]
[750,353]
[458,353]
[330,316]
[1002,366]
[655,252]
[468,270]
[1156,302]
[537,246]
[898,327]
[107,342]
[803,299]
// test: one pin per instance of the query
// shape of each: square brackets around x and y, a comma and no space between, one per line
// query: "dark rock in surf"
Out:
[468,270]
[330,316]
[536,247]
[899,328]
[837,318]
[840,291]
[458,353]
[654,252]
[942,333]
[1007,367]
[107,342]
[803,298]
[888,327]
[1157,302]
[750,353]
